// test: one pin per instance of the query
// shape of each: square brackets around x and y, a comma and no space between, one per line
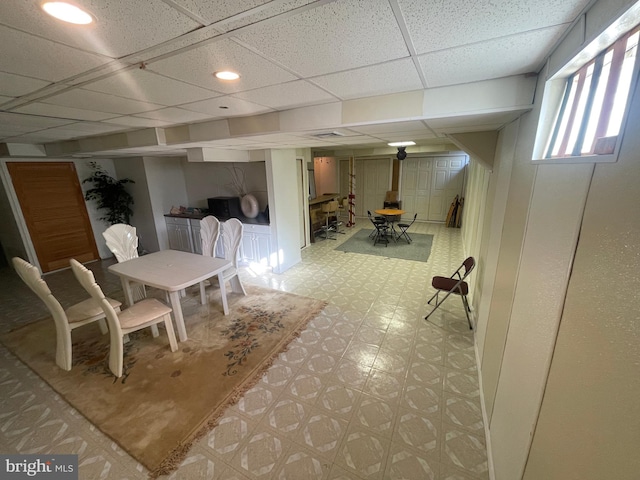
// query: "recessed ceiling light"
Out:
[227,75]
[67,13]
[401,144]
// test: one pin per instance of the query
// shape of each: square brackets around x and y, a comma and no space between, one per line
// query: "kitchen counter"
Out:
[261,219]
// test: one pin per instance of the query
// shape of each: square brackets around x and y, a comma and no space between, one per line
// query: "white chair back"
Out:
[231,238]
[65,320]
[122,241]
[209,232]
[30,275]
[87,280]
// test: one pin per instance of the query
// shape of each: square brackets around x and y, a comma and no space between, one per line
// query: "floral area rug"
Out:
[166,400]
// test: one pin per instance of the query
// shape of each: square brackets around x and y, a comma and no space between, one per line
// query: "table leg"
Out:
[126,288]
[394,234]
[203,295]
[223,292]
[177,315]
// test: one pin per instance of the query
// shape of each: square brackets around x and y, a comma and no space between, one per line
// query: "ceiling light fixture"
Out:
[401,144]
[67,13]
[227,75]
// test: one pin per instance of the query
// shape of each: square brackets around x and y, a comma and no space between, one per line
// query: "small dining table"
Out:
[391,215]
[173,271]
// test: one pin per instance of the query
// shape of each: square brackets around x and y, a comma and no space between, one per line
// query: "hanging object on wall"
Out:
[454,217]
[352,192]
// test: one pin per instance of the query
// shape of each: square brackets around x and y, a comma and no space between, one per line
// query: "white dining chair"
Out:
[80,314]
[231,238]
[123,243]
[209,233]
[145,313]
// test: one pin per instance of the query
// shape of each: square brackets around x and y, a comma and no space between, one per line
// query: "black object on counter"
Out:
[225,207]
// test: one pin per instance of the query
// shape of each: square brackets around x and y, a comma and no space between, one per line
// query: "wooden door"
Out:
[56,215]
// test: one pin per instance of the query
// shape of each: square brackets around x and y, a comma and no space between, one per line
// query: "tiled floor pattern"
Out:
[370,390]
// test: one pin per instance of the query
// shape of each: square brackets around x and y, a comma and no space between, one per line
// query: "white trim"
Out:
[485,418]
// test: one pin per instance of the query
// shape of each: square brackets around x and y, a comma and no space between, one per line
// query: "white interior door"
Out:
[447,182]
[416,186]
[373,179]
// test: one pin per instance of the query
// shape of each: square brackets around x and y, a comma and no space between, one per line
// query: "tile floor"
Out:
[369,391]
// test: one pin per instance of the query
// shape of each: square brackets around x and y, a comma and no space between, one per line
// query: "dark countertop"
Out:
[261,219]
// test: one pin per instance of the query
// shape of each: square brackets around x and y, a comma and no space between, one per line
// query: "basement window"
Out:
[587,104]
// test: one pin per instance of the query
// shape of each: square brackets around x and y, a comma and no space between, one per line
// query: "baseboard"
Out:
[485,418]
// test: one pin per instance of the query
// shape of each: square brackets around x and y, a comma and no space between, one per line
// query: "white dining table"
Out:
[173,271]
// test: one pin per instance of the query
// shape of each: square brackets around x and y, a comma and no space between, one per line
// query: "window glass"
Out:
[593,105]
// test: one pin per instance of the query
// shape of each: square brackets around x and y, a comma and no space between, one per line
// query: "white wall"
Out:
[551,235]
[282,183]
[558,331]
[142,218]
[589,423]
[327,175]
[214,179]
[167,188]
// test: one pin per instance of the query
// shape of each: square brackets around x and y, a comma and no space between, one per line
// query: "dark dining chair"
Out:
[455,284]
[404,227]
[381,232]
[375,220]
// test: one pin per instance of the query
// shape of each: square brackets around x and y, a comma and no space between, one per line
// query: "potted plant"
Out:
[110,195]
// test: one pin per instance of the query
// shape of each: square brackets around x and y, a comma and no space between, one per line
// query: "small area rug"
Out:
[418,250]
[165,401]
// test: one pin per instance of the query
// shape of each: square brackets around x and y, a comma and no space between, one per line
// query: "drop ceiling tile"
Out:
[233,107]
[197,66]
[415,136]
[465,129]
[122,26]
[48,110]
[175,115]
[82,129]
[492,59]
[357,140]
[392,77]
[150,87]
[287,95]
[219,10]
[473,120]
[435,25]
[266,11]
[16,85]
[102,102]
[390,127]
[170,48]
[138,122]
[93,127]
[30,121]
[14,130]
[42,59]
[336,36]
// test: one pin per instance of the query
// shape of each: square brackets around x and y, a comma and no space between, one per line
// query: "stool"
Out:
[330,209]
